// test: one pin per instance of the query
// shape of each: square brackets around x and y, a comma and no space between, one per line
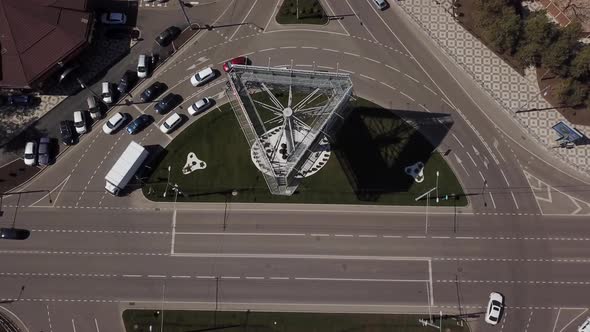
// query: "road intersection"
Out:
[524,233]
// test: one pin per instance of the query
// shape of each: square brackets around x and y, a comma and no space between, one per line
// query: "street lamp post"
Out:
[427,194]
[167,183]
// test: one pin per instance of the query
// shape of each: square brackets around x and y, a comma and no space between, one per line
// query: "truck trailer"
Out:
[125,168]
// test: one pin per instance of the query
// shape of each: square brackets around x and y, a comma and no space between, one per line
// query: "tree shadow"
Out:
[374,145]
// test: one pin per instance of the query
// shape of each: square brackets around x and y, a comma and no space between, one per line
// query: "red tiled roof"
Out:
[554,10]
[36,34]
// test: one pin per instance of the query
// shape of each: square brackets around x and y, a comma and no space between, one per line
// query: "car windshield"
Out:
[112,123]
[79,124]
[29,156]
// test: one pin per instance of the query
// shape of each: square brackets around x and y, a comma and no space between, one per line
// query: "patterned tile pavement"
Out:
[511,90]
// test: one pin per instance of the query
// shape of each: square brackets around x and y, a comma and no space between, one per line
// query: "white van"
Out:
[142,68]
[382,4]
[107,93]
[80,122]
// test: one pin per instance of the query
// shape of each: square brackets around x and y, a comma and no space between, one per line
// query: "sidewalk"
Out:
[510,90]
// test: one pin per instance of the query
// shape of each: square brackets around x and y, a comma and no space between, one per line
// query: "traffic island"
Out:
[375,160]
[301,12]
[240,321]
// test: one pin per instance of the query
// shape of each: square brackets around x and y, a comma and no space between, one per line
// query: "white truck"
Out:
[125,168]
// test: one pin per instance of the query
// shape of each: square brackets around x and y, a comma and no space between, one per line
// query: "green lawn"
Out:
[310,12]
[366,167]
[231,321]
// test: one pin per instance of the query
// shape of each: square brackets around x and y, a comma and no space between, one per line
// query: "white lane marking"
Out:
[347,71]
[410,77]
[393,68]
[48,319]
[575,318]
[61,186]
[431,283]
[266,50]
[181,277]
[353,54]
[255,278]
[132,275]
[244,20]
[405,95]
[360,21]
[429,89]
[556,320]
[441,237]
[470,157]
[156,276]
[392,236]
[302,256]
[458,141]
[387,85]
[73,325]
[482,177]
[368,77]
[279,278]
[505,179]
[319,234]
[330,50]
[96,324]
[492,198]
[367,235]
[287,47]
[416,237]
[246,234]
[309,47]
[372,60]
[528,322]
[344,235]
[205,277]
[514,198]
[229,277]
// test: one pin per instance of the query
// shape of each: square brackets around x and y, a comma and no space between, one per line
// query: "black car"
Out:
[138,124]
[20,100]
[152,92]
[44,151]
[168,103]
[127,81]
[167,36]
[66,129]
[14,234]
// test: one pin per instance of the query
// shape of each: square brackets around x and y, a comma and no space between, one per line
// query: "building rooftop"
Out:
[36,34]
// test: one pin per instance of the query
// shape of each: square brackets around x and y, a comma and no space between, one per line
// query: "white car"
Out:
[113,123]
[30,156]
[585,327]
[200,106]
[495,306]
[172,122]
[80,122]
[113,18]
[107,92]
[202,77]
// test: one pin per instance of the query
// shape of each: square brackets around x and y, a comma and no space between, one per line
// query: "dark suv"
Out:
[168,103]
[152,92]
[127,81]
[167,36]
[66,129]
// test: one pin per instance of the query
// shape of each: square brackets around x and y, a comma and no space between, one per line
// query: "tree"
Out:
[572,92]
[504,32]
[580,68]
[538,33]
[561,51]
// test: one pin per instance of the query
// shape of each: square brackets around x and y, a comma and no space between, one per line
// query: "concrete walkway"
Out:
[510,90]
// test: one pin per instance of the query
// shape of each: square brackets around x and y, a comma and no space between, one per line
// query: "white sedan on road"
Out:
[495,306]
[113,123]
[171,123]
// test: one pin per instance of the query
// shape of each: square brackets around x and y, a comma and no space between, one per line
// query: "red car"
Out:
[235,61]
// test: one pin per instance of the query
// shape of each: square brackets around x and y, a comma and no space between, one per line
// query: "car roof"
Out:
[44,139]
[238,60]
[173,118]
[116,116]
[205,72]
[201,102]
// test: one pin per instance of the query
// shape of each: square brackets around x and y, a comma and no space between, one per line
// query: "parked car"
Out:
[66,132]
[14,233]
[93,108]
[585,327]
[107,93]
[200,106]
[127,81]
[30,156]
[203,76]
[20,100]
[235,61]
[114,123]
[168,103]
[171,123]
[80,122]
[142,66]
[167,36]
[138,124]
[152,92]
[494,311]
[381,4]
[113,18]
[44,151]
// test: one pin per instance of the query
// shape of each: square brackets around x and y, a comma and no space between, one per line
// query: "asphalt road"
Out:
[92,255]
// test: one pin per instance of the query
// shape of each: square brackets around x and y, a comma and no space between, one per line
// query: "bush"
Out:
[538,33]
[500,23]
[580,68]
[572,93]
[560,52]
